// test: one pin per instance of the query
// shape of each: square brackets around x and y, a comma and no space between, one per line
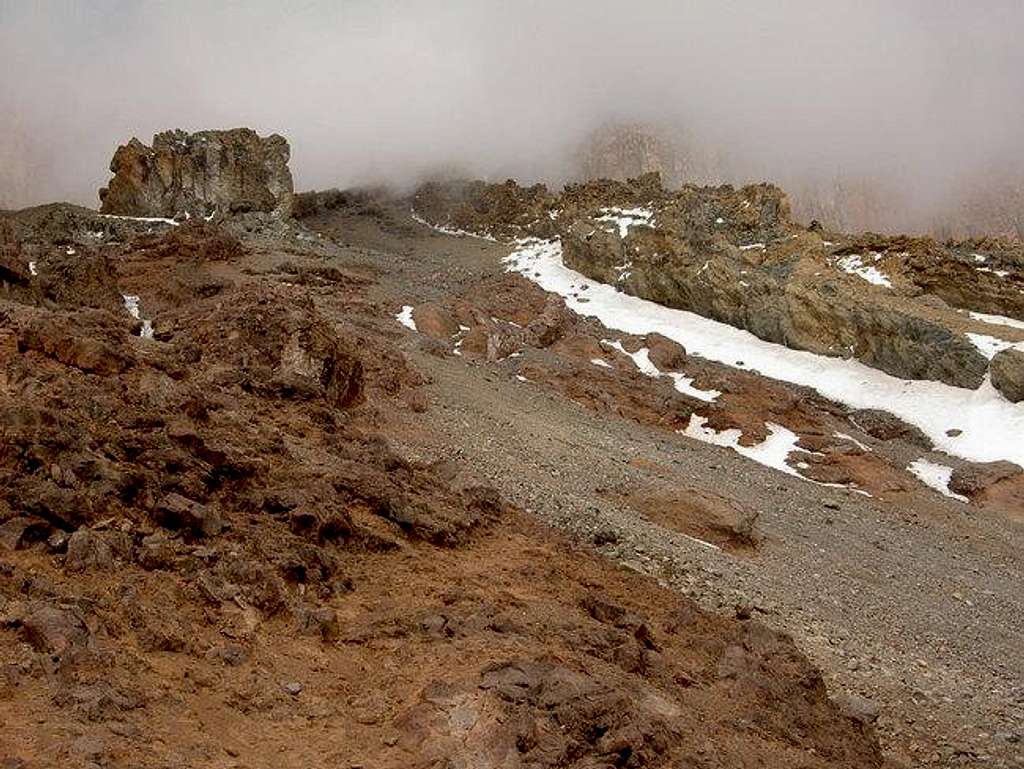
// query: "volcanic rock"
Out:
[197,174]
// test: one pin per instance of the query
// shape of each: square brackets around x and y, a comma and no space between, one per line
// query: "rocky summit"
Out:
[363,478]
[199,174]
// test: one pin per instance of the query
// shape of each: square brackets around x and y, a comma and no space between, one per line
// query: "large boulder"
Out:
[197,174]
[1007,369]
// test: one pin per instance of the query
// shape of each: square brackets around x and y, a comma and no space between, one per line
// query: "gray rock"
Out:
[88,550]
[1007,369]
[859,708]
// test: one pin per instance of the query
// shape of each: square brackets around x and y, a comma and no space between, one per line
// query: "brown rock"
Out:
[971,479]
[1007,369]
[55,630]
[227,171]
[88,550]
[434,321]
[178,512]
[22,531]
[665,353]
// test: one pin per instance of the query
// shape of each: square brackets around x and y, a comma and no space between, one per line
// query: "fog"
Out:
[921,97]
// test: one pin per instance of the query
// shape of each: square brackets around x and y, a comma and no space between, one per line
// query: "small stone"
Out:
[294,688]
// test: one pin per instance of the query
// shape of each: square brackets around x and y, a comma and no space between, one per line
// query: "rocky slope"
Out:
[735,255]
[198,174]
[211,553]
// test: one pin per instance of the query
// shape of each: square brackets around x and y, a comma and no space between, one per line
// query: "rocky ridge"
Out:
[902,305]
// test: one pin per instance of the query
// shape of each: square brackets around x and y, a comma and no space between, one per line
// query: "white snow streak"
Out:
[405,317]
[997,320]
[934,475]
[683,384]
[854,265]
[146,219]
[625,218]
[131,303]
[992,427]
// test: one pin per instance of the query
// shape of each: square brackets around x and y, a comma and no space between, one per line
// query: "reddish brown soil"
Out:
[211,556]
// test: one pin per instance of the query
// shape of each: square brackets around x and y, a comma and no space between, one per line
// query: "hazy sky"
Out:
[913,91]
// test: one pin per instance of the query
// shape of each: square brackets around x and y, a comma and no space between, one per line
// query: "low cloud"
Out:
[920,98]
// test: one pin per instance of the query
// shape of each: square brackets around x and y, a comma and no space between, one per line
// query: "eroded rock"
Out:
[197,174]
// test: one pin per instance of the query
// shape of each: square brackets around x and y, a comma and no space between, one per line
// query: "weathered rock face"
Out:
[197,174]
[1008,374]
[705,250]
[735,255]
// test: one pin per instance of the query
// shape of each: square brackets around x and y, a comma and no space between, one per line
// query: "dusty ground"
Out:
[911,600]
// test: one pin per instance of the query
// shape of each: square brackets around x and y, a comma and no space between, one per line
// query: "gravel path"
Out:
[920,614]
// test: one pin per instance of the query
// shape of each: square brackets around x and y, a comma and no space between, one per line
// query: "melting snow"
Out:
[32,269]
[147,219]
[992,427]
[626,218]
[852,440]
[997,273]
[998,320]
[751,246]
[405,317]
[683,384]
[854,265]
[771,452]
[131,303]
[936,476]
[450,230]
[601,363]
[990,345]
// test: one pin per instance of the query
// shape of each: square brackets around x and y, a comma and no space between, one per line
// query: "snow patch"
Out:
[990,345]
[771,452]
[146,219]
[601,363]
[752,246]
[854,265]
[997,320]
[625,218]
[405,317]
[991,426]
[32,270]
[682,383]
[131,304]
[935,476]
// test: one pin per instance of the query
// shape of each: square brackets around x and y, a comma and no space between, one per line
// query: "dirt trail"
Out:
[913,609]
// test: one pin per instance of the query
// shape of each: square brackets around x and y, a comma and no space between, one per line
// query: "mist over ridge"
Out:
[877,114]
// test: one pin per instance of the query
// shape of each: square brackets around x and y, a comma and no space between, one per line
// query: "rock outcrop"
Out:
[197,174]
[736,255]
[1008,374]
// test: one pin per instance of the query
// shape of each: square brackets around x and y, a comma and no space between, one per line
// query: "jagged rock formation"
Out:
[737,256]
[196,174]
